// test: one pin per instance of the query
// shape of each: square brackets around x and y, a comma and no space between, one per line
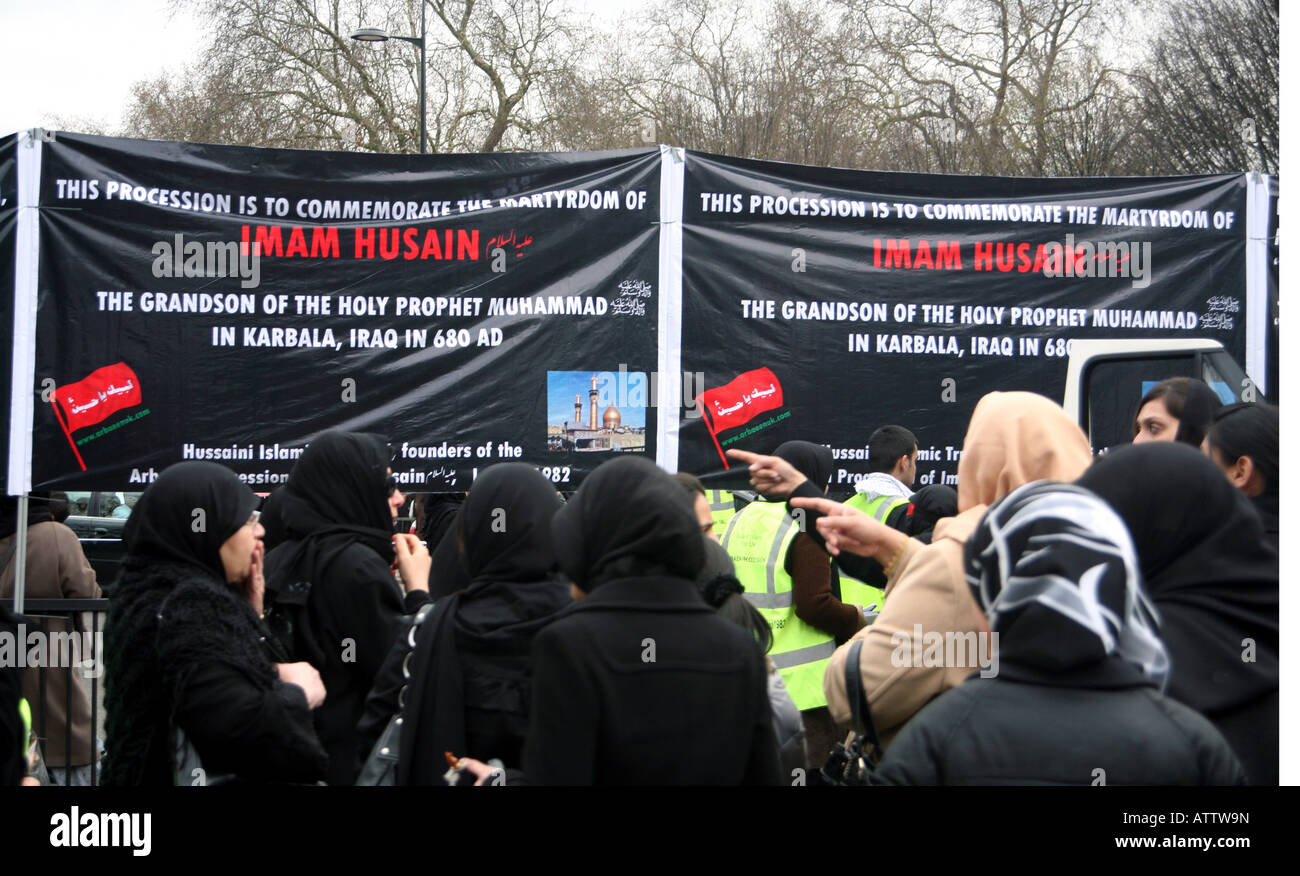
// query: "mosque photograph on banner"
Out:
[607,411]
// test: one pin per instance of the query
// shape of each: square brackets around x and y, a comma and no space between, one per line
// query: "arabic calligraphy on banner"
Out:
[896,298]
[265,296]
[93,399]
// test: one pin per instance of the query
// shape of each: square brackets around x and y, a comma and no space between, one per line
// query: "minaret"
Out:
[593,394]
[577,409]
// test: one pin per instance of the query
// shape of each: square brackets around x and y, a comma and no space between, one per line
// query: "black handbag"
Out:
[380,768]
[851,764]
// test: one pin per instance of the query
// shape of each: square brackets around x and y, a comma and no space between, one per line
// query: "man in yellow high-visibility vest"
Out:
[787,578]
[891,466]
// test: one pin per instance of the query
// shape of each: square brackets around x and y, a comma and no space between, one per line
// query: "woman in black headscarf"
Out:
[185,650]
[720,589]
[272,523]
[333,596]
[471,673]
[640,682]
[1214,579]
[1072,693]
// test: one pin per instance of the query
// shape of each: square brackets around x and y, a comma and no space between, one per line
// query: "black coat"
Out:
[484,681]
[993,731]
[1212,572]
[352,615]
[183,650]
[642,683]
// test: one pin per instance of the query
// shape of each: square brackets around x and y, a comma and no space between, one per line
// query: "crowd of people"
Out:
[1057,619]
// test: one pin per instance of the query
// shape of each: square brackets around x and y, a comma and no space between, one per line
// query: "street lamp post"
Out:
[379,35]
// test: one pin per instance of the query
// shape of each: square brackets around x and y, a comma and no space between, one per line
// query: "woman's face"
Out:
[1155,423]
[237,551]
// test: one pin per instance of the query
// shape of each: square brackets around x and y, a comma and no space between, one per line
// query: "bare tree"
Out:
[1099,136]
[982,85]
[286,73]
[723,76]
[1006,87]
[1209,94]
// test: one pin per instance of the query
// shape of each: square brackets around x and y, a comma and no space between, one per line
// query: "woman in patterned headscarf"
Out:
[1075,697]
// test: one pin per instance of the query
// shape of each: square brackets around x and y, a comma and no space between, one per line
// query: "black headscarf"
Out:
[813,461]
[341,481]
[187,515]
[1207,566]
[505,524]
[447,574]
[272,520]
[505,533]
[1055,571]
[717,578]
[174,537]
[440,510]
[628,518]
[928,506]
[337,495]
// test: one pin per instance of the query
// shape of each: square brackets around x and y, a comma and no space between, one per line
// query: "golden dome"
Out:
[611,418]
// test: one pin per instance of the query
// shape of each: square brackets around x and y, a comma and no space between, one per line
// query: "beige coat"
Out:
[1013,438]
[56,569]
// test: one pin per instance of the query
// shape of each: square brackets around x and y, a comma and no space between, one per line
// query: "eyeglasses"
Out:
[392,485]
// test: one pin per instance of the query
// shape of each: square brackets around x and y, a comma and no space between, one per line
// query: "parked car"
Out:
[98,519]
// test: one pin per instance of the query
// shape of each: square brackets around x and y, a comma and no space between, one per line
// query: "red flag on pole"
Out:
[93,399]
[736,403]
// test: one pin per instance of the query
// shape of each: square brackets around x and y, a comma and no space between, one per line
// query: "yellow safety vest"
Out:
[880,507]
[723,506]
[852,590]
[758,539]
[25,713]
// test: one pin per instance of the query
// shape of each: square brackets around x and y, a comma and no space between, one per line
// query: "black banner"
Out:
[204,302]
[861,299]
[222,303]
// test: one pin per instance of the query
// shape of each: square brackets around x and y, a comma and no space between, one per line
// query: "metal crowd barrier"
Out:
[36,614]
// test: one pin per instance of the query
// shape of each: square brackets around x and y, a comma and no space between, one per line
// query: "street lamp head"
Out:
[370,35]
[379,35]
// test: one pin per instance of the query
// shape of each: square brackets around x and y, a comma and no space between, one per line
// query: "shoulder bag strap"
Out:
[380,767]
[859,707]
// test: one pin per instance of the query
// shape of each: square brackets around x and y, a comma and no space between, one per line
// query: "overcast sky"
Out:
[79,58]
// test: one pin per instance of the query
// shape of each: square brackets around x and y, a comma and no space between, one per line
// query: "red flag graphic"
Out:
[94,398]
[739,401]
